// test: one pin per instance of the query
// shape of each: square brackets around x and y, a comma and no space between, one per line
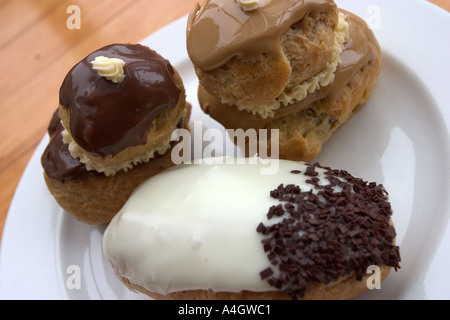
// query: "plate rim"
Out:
[441,98]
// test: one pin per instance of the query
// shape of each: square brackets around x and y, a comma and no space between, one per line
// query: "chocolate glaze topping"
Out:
[105,117]
[340,230]
[58,163]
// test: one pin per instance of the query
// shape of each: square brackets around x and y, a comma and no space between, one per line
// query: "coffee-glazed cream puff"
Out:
[300,67]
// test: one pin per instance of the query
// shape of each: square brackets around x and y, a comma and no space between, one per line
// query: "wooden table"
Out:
[39,43]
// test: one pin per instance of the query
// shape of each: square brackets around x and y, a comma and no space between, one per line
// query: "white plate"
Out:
[400,139]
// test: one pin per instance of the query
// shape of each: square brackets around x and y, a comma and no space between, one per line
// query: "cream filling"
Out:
[300,92]
[109,170]
[193,227]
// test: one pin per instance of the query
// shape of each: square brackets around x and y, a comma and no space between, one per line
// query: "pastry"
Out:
[112,130]
[223,230]
[329,63]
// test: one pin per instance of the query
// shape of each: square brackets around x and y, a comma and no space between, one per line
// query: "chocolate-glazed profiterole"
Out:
[112,130]
[310,110]
[112,126]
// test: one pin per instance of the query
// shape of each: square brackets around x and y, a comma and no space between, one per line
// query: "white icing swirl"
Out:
[110,68]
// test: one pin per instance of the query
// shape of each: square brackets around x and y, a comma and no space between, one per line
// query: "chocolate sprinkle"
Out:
[339,229]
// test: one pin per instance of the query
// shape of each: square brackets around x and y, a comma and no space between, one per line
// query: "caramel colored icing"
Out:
[359,50]
[233,32]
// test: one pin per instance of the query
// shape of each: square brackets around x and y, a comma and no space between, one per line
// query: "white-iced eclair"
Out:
[223,230]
